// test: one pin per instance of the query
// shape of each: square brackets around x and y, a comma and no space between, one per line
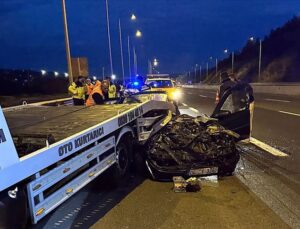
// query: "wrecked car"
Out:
[203,145]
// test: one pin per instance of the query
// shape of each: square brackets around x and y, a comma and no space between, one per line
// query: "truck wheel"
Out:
[13,208]
[121,168]
[123,159]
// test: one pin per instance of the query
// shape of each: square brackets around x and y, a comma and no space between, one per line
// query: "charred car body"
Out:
[204,145]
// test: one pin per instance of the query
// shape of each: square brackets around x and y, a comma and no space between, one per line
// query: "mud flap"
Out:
[13,208]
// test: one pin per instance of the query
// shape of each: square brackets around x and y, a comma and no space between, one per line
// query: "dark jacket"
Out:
[225,85]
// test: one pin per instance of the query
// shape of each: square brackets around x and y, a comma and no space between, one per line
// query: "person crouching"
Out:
[96,96]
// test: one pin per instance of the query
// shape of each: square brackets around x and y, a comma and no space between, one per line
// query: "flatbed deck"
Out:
[59,122]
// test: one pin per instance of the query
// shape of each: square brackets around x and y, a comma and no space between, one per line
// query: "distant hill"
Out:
[280,57]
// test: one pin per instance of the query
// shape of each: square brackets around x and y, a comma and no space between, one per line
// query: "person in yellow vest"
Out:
[96,96]
[112,91]
[76,89]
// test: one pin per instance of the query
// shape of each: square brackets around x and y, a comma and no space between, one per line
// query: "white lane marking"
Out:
[203,96]
[290,113]
[278,100]
[268,148]
[193,109]
[184,104]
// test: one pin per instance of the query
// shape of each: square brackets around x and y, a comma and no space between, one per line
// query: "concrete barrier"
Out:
[267,88]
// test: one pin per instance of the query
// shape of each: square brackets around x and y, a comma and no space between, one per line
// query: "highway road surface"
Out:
[263,193]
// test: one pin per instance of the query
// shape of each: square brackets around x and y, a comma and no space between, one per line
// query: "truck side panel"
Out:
[8,153]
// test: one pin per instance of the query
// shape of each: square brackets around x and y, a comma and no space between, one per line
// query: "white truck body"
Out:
[86,153]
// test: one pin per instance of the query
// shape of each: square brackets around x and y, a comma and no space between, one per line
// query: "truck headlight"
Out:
[177,95]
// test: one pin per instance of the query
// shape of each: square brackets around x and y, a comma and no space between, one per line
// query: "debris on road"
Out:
[190,185]
[179,184]
[211,181]
[190,146]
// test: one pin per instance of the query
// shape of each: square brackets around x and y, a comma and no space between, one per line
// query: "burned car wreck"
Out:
[201,146]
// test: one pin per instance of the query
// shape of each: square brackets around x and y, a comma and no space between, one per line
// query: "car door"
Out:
[233,111]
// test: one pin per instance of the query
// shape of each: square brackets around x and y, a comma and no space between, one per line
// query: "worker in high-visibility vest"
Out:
[76,89]
[89,87]
[112,91]
[96,96]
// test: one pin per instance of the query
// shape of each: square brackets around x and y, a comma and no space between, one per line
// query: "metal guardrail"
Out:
[267,88]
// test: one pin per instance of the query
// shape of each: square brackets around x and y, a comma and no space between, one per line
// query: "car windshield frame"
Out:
[160,83]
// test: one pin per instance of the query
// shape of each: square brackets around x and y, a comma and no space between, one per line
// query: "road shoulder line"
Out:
[290,113]
[267,148]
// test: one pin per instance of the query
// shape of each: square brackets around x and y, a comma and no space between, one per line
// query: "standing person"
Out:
[226,83]
[112,91]
[105,86]
[118,89]
[249,91]
[96,96]
[77,91]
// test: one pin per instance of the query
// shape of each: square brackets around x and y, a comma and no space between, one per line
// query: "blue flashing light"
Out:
[136,83]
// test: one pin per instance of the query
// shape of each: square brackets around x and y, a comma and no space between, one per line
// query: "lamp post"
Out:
[109,39]
[217,67]
[129,57]
[103,73]
[67,42]
[232,59]
[259,56]
[200,73]
[206,70]
[259,61]
[121,50]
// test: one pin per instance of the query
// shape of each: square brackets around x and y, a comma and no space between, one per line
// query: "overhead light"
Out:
[138,33]
[56,73]
[94,78]
[113,76]
[66,75]
[44,72]
[133,17]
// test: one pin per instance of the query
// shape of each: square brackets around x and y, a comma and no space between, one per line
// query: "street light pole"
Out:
[232,62]
[200,73]
[109,40]
[67,43]
[196,73]
[259,61]
[129,57]
[206,70]
[121,50]
[103,73]
[135,61]
[216,67]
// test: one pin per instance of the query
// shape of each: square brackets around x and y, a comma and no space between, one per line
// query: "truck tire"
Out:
[13,209]
[121,168]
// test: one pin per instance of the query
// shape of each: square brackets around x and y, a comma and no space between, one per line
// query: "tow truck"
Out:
[50,150]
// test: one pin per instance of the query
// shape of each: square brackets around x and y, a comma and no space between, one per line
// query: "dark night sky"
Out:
[180,33]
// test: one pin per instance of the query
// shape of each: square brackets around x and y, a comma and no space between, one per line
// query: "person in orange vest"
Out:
[96,97]
[89,87]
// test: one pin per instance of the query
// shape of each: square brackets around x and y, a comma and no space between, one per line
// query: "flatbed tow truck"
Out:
[50,150]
